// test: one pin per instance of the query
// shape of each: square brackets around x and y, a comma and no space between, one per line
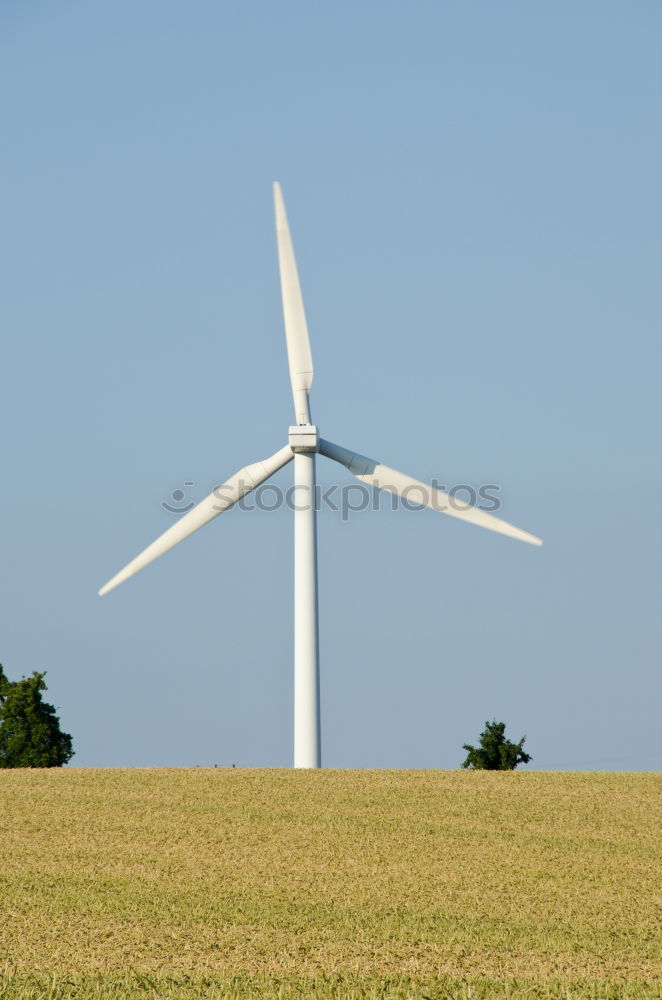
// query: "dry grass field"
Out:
[343,884]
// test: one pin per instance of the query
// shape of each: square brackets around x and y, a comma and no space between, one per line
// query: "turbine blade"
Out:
[296,332]
[221,499]
[384,478]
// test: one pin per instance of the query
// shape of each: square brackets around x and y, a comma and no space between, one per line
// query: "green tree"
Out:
[30,734]
[495,752]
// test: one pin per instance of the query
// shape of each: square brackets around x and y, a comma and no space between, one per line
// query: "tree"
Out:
[30,734]
[495,752]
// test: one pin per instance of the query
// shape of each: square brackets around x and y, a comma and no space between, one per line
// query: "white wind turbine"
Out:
[303,444]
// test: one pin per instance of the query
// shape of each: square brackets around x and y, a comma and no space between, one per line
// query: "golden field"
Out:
[330,884]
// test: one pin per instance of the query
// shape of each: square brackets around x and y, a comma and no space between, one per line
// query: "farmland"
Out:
[271,883]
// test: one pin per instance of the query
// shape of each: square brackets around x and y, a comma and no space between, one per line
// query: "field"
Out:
[332,884]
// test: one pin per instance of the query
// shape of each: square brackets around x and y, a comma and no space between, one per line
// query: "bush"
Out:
[30,734]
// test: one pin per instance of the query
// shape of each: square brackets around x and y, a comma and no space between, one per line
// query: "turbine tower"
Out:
[303,444]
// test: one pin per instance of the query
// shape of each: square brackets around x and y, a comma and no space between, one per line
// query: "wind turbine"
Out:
[303,444]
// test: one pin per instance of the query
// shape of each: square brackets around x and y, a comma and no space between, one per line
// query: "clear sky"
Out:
[475,200]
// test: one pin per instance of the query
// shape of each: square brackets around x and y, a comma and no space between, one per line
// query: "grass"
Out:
[335,884]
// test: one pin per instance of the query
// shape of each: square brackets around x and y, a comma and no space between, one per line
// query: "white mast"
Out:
[307,743]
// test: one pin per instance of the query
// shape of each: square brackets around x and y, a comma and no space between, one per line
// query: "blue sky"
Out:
[474,194]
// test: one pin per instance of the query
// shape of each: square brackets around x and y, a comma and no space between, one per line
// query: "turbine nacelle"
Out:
[304,438]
